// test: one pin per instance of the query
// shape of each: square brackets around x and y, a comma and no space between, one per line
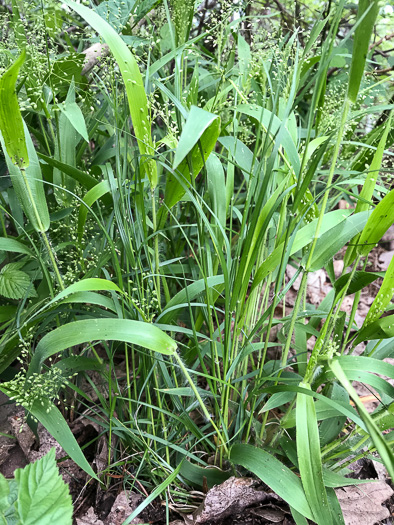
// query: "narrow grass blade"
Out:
[95,193]
[132,78]
[11,122]
[158,490]
[188,294]
[51,418]
[274,474]
[381,445]
[368,188]
[309,458]
[366,17]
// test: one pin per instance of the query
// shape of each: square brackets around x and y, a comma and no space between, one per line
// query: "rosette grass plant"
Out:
[203,154]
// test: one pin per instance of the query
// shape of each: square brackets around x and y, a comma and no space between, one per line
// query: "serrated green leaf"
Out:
[15,284]
[4,492]
[43,497]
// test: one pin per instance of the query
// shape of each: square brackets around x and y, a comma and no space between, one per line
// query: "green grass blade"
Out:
[303,237]
[274,474]
[332,241]
[132,78]
[381,445]
[381,329]
[368,188]
[11,122]
[8,244]
[383,298]
[367,11]
[378,223]
[95,193]
[158,490]
[79,332]
[188,294]
[28,185]
[309,458]
[51,418]
[201,130]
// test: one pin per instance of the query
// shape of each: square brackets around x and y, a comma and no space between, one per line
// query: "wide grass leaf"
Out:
[79,332]
[198,139]
[309,458]
[28,185]
[43,497]
[378,223]
[381,329]
[11,122]
[303,237]
[9,244]
[333,240]
[359,281]
[383,448]
[274,474]
[270,121]
[132,78]
[384,296]
[188,294]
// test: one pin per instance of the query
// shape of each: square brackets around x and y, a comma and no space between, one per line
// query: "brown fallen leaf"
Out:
[124,505]
[227,499]
[362,505]
[269,514]
[89,518]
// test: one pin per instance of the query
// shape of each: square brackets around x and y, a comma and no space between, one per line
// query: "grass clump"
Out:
[163,267]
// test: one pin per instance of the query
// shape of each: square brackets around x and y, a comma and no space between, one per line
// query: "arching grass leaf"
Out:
[11,122]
